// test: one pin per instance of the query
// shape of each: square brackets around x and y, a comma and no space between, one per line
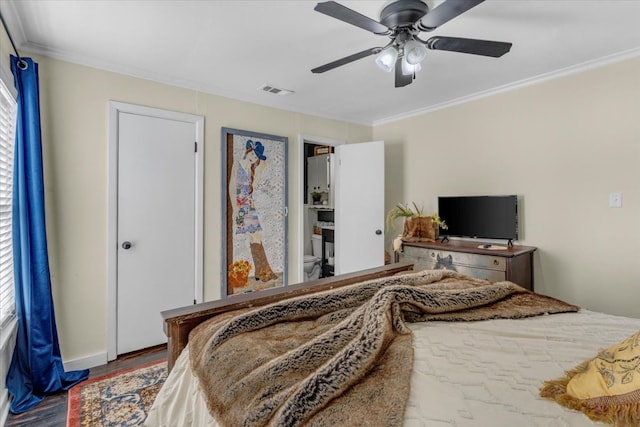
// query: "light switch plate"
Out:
[615,200]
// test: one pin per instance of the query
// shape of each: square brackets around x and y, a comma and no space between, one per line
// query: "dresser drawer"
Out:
[436,259]
[481,273]
[473,260]
[420,258]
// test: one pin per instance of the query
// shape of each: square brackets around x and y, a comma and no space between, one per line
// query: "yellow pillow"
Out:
[606,388]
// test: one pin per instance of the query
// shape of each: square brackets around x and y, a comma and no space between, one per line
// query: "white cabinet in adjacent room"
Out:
[320,179]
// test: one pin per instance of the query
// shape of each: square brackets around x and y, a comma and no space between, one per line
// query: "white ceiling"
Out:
[231,48]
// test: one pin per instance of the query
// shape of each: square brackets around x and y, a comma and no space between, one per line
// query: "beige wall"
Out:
[74,105]
[562,145]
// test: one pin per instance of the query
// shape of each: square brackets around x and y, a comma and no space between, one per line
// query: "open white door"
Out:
[359,203]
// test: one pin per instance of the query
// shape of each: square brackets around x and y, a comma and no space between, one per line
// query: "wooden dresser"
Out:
[468,257]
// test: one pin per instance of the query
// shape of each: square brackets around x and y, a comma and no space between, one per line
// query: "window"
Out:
[7,134]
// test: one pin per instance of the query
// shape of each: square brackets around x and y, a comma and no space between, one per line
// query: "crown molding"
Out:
[585,66]
[214,90]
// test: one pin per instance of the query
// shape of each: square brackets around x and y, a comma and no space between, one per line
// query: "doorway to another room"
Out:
[319,210]
[341,223]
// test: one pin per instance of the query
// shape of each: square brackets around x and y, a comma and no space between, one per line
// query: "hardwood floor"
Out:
[52,411]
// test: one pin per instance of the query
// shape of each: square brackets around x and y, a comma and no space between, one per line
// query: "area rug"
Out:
[122,398]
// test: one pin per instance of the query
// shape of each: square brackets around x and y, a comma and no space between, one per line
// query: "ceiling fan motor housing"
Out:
[403,13]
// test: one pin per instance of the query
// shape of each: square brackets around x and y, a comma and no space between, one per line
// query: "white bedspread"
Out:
[465,374]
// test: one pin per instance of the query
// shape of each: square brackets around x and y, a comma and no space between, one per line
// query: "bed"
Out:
[460,373]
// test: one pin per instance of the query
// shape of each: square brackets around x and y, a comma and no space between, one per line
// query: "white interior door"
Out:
[157,225]
[359,206]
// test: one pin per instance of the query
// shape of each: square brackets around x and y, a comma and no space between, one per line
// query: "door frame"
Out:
[299,202]
[115,108]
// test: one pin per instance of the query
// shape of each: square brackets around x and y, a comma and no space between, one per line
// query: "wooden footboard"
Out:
[179,322]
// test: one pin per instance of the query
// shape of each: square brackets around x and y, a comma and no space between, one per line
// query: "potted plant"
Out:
[417,225]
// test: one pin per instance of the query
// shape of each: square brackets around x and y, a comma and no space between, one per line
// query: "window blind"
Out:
[7,139]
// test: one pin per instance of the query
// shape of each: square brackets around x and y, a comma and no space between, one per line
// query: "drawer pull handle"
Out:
[496,262]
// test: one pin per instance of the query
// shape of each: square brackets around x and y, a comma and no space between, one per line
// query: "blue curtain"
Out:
[36,367]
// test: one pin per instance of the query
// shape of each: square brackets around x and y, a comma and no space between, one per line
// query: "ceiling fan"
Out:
[403,21]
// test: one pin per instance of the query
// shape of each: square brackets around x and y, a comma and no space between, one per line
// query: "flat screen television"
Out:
[488,217]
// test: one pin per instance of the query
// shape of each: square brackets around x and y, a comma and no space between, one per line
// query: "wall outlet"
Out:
[615,200]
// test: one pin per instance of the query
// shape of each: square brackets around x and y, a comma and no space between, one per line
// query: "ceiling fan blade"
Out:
[446,12]
[402,79]
[350,16]
[473,46]
[347,59]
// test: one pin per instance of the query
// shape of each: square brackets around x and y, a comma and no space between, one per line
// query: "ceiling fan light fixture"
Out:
[386,59]
[410,69]
[414,52]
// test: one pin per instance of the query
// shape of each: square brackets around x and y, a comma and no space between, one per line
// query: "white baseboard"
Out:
[85,362]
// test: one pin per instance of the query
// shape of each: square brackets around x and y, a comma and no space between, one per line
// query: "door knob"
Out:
[126,245]
[378,232]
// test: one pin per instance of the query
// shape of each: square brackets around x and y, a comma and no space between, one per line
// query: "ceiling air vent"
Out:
[276,90]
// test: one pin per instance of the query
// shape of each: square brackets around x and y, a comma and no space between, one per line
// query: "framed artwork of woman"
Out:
[254,188]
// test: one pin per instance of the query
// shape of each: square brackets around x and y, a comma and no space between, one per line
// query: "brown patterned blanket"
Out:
[341,357]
